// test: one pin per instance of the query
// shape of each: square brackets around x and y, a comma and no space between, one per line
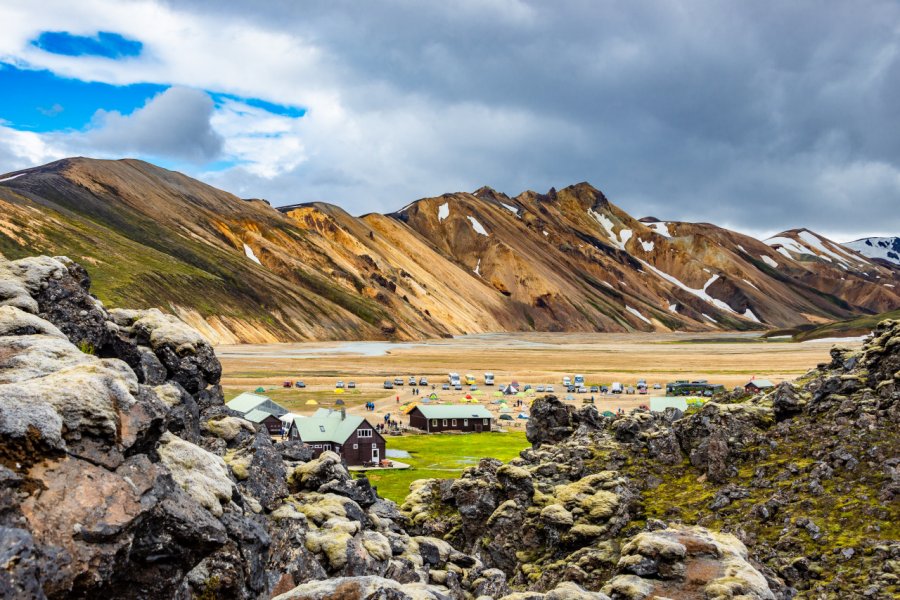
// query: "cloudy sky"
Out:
[760,116]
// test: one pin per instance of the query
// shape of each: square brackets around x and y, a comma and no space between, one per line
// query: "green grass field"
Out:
[295,400]
[443,456]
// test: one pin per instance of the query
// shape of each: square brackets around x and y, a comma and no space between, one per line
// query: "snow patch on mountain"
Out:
[885,248]
[701,293]
[748,314]
[660,227]
[248,252]
[606,223]
[769,261]
[12,177]
[478,227]
[443,211]
[477,269]
[648,246]
[638,314]
[513,209]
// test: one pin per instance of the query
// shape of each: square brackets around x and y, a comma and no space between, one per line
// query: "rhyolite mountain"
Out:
[568,260]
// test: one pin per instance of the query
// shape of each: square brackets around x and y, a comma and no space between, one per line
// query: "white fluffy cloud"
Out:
[762,116]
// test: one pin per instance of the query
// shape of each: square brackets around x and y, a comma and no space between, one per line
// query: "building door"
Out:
[375,456]
[478,428]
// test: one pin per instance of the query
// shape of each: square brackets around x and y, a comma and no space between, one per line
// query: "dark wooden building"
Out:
[451,417]
[261,417]
[758,385]
[350,436]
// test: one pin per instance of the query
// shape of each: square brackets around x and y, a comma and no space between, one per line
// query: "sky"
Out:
[758,116]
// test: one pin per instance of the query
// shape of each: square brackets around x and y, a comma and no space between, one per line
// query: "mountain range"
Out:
[240,270]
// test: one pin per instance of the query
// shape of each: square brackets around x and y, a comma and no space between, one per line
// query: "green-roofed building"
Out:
[450,417]
[260,417]
[758,385]
[351,436]
[246,402]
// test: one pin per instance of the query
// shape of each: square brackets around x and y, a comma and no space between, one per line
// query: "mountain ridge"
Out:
[241,270]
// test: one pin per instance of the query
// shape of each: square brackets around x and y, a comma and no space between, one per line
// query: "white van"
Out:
[488,379]
[567,381]
[453,378]
[615,388]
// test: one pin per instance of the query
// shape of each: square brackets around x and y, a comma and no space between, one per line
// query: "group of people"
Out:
[388,425]
[370,406]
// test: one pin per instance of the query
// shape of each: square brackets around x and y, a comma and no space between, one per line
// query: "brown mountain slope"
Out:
[462,263]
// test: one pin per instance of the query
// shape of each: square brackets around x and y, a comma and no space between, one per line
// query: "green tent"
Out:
[260,390]
[608,413]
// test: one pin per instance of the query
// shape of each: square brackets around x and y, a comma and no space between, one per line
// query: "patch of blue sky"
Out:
[103,43]
[284,110]
[40,101]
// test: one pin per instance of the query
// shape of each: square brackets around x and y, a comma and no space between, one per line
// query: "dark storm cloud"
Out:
[762,116]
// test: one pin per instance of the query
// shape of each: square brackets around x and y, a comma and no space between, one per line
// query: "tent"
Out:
[339,402]
[520,394]
[338,390]
[608,413]
[505,418]
[468,396]
[433,396]
[311,402]
[570,397]
[497,394]
[506,409]
[522,415]
[260,390]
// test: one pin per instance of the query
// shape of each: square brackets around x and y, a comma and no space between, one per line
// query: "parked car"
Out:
[351,385]
[423,381]
[642,383]
[398,381]
[412,381]
[629,389]
[339,385]
[286,384]
[388,384]
[473,388]
[458,387]
[539,389]
[581,389]
[570,389]
[300,384]
[657,386]
[595,389]
[549,389]
[527,387]
[604,389]
[445,386]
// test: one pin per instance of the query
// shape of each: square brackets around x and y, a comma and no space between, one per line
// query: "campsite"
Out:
[613,373]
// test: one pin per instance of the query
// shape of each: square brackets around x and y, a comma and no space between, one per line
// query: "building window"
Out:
[486,421]
[356,446]
[364,433]
[454,422]
[317,445]
[445,422]
[434,422]
[374,445]
[322,428]
[465,422]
